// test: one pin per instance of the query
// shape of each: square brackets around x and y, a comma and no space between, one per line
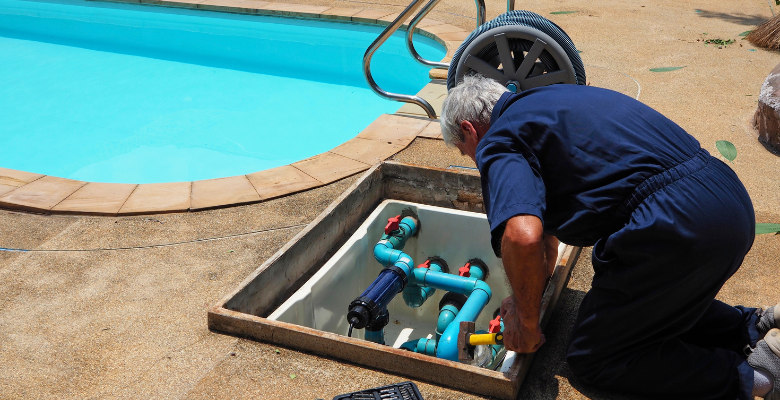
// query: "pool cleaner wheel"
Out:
[521,50]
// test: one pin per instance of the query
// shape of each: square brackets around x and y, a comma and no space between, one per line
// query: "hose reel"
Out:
[519,49]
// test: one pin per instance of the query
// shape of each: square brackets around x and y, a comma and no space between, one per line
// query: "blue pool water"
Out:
[141,94]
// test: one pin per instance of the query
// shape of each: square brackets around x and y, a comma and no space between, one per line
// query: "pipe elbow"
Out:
[446,316]
[483,286]
[410,345]
[408,226]
[405,263]
[385,254]
[415,296]
[447,347]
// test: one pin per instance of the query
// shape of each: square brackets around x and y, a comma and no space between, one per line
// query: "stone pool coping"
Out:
[386,136]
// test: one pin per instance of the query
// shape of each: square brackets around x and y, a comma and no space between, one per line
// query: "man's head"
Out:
[466,112]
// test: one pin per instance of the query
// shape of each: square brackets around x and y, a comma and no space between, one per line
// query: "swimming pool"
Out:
[139,94]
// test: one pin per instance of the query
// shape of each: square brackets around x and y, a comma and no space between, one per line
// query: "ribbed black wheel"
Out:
[519,49]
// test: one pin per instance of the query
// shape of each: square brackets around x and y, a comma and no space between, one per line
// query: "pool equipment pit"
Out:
[348,266]
[432,269]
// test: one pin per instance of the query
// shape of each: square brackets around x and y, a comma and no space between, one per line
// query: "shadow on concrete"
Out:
[737,18]
[549,365]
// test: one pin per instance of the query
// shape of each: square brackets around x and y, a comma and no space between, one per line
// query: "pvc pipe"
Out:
[444,281]
[446,316]
[422,346]
[410,345]
[427,346]
[364,310]
[388,250]
[375,336]
[477,272]
[448,343]
[415,295]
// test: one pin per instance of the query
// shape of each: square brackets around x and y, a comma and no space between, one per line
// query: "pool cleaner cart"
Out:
[519,49]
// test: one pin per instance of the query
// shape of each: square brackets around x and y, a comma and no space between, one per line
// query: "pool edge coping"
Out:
[383,138]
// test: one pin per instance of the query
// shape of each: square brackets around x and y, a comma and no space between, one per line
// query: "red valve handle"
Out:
[392,224]
[426,264]
[495,325]
[464,270]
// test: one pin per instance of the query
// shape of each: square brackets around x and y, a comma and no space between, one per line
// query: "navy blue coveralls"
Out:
[669,224]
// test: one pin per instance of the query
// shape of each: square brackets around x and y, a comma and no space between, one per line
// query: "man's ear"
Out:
[468,129]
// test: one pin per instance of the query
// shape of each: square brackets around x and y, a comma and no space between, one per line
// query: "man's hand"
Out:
[516,337]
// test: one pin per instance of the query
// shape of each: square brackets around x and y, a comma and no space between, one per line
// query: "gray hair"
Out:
[471,100]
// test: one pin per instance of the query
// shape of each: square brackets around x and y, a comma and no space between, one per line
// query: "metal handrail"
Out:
[389,30]
[425,10]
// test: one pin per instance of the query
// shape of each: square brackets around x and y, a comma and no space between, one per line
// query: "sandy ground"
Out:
[116,307]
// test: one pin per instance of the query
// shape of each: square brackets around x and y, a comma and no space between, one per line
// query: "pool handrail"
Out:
[480,4]
[386,33]
[393,27]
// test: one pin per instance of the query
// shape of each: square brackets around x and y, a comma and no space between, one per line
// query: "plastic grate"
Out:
[398,391]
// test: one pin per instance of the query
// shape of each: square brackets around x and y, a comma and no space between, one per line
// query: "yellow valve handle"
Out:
[486,338]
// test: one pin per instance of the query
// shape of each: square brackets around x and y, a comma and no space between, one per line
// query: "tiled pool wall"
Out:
[386,136]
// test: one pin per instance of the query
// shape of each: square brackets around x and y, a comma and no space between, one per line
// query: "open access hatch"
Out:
[299,297]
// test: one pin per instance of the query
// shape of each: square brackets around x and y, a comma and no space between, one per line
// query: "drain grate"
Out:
[398,391]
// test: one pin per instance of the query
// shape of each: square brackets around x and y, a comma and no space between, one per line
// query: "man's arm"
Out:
[528,258]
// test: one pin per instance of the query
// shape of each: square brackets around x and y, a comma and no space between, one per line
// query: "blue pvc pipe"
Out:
[410,345]
[363,311]
[448,343]
[422,346]
[443,281]
[426,346]
[388,249]
[477,272]
[446,316]
[375,336]
[415,295]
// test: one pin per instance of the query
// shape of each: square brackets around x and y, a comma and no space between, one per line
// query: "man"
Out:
[669,224]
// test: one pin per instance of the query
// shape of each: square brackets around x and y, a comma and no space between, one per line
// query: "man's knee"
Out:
[586,369]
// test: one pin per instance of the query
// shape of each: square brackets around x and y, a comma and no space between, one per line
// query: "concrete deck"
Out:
[115,306]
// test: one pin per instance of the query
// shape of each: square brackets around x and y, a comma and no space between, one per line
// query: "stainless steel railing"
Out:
[389,30]
[413,25]
[393,27]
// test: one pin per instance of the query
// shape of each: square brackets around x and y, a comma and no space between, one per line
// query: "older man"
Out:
[669,224]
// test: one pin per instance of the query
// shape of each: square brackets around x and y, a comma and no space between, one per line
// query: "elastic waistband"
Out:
[661,179]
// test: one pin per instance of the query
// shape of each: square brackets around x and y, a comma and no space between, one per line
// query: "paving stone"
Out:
[340,13]
[395,129]
[97,198]
[370,16]
[10,179]
[223,191]
[432,131]
[296,10]
[41,194]
[368,151]
[281,181]
[158,198]
[330,167]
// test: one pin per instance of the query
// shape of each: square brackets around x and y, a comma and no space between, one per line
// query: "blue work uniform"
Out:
[669,224]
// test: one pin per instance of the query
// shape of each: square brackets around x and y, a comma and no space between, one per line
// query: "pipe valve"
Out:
[392,224]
